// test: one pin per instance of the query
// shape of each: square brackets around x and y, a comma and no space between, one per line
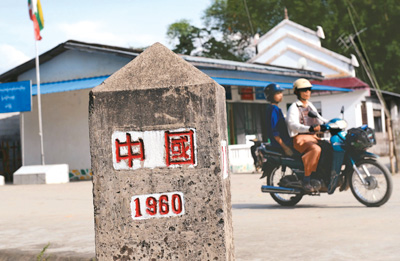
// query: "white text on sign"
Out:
[169,204]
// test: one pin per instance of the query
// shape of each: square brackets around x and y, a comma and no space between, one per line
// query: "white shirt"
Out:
[293,118]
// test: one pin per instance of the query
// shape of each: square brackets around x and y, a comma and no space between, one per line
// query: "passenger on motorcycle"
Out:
[302,129]
[277,130]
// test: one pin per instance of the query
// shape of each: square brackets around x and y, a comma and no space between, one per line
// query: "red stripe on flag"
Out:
[36,28]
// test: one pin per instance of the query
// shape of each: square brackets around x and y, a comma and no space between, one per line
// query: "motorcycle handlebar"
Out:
[324,127]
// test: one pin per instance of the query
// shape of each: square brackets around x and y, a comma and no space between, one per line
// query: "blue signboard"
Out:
[15,96]
[260,94]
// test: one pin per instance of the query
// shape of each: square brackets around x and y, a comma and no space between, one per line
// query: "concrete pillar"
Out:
[159,158]
[383,120]
[370,113]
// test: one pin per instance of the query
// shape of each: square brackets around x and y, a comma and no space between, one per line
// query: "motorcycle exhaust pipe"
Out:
[272,189]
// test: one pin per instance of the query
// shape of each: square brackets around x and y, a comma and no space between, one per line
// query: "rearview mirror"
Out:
[342,112]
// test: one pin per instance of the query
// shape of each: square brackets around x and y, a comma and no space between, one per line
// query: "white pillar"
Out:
[370,114]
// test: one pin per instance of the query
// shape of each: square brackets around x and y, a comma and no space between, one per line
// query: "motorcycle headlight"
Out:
[340,124]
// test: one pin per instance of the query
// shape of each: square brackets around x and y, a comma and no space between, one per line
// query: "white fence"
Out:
[240,160]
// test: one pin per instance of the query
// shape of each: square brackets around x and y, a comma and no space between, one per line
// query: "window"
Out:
[250,125]
[378,120]
[246,119]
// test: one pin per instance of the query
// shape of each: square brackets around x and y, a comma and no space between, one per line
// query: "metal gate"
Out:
[10,159]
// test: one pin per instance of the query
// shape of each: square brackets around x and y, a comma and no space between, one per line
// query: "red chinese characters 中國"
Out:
[179,148]
[151,149]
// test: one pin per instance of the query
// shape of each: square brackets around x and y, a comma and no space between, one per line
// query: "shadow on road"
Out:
[269,206]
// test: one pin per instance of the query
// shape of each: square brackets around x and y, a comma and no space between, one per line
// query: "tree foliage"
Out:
[206,42]
[185,34]
[228,32]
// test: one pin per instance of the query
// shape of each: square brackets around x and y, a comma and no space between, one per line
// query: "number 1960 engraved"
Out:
[157,205]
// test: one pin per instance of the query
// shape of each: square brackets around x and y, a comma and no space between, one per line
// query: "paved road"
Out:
[320,228]
[327,227]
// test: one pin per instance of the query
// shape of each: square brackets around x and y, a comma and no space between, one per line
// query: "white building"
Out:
[292,45]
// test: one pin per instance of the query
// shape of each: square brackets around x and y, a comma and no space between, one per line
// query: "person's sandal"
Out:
[308,188]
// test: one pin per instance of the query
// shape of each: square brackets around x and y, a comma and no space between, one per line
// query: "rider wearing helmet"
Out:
[277,130]
[302,129]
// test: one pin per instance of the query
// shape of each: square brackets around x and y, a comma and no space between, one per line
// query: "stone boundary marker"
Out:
[158,146]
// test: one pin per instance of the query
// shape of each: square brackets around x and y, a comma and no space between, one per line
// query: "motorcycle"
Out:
[370,181]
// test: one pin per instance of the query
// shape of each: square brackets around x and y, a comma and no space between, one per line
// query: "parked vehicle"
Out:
[369,181]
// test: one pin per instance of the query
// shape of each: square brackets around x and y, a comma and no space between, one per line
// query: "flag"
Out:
[36,15]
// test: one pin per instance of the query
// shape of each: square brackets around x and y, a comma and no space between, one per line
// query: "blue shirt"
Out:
[276,126]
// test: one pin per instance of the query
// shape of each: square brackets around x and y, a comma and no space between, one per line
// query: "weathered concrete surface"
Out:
[159,91]
[337,227]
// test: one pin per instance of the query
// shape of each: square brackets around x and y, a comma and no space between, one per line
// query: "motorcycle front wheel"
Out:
[378,185]
[273,179]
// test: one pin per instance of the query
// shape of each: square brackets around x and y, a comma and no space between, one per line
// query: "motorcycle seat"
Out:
[274,151]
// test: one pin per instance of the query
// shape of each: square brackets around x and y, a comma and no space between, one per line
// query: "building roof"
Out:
[347,82]
[203,62]
[71,85]
[12,75]
[354,84]
[278,42]
[290,23]
[199,62]
[89,83]
[387,93]
[309,31]
[284,85]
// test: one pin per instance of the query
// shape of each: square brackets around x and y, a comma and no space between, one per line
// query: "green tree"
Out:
[191,40]
[236,27]
[185,34]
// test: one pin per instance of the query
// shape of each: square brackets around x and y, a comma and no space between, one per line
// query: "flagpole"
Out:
[39,103]
[22,139]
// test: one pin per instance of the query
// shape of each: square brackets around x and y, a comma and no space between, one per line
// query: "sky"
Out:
[124,23]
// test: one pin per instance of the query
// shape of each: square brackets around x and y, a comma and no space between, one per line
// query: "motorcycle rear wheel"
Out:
[379,185]
[273,179]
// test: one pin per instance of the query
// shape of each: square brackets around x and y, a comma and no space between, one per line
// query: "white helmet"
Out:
[301,84]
